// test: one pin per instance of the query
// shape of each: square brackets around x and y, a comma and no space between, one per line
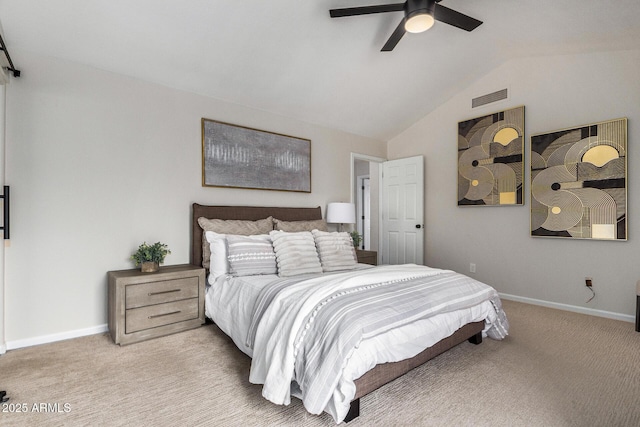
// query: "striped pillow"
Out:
[295,253]
[250,256]
[336,250]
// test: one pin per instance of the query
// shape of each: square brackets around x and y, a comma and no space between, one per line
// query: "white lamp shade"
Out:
[341,213]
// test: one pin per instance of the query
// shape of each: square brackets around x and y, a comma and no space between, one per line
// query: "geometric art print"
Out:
[490,159]
[578,182]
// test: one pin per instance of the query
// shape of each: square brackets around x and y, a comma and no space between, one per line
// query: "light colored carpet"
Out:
[555,369]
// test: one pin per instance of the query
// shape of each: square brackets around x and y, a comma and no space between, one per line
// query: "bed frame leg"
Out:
[354,411]
[476,339]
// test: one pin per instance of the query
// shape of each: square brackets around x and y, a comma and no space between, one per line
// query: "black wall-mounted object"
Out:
[5,226]
[11,67]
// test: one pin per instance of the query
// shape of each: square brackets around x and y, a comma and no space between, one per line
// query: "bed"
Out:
[231,303]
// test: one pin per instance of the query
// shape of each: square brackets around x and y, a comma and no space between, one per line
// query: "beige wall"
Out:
[557,92]
[98,163]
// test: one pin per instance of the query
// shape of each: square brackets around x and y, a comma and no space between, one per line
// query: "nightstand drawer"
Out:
[161,292]
[153,316]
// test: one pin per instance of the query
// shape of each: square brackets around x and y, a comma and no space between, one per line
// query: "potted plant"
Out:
[149,257]
[357,239]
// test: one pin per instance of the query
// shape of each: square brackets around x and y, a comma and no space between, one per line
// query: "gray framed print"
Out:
[579,182]
[490,159]
[241,157]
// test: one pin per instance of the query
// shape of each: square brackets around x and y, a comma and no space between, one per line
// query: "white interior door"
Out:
[403,211]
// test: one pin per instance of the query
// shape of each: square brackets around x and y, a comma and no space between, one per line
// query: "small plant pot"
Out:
[149,267]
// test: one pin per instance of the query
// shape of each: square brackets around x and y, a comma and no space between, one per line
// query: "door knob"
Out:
[418,226]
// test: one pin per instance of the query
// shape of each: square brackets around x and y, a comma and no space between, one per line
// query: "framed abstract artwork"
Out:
[579,182]
[241,157]
[490,159]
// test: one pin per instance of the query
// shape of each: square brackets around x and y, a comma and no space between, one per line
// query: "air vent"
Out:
[489,98]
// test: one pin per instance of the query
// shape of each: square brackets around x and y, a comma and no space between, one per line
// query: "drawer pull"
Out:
[164,292]
[165,314]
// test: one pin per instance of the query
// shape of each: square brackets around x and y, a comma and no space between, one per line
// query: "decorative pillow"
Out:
[295,253]
[294,226]
[231,226]
[336,250]
[217,249]
[249,256]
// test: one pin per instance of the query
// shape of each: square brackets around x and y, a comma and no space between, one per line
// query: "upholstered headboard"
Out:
[251,213]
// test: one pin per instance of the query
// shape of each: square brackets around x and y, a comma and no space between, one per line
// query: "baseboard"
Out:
[3,349]
[44,339]
[567,307]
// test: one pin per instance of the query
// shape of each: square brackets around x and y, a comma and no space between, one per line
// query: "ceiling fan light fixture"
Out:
[419,22]
[419,16]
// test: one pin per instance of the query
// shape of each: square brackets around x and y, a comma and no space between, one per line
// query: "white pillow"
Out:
[295,253]
[336,250]
[218,263]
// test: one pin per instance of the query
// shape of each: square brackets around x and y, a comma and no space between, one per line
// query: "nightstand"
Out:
[150,305]
[367,257]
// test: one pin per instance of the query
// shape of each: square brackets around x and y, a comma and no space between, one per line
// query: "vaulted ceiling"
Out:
[290,58]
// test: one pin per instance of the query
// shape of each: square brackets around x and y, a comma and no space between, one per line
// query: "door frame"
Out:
[354,195]
[360,225]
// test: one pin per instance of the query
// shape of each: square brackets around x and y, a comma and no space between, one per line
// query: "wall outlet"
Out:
[588,282]
[472,267]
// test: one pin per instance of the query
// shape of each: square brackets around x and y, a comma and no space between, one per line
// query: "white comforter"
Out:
[230,304]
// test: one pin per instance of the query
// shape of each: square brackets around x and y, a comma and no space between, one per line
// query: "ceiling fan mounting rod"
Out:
[412,7]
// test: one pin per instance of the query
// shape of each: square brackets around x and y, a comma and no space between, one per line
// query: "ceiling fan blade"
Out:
[395,37]
[365,10]
[457,19]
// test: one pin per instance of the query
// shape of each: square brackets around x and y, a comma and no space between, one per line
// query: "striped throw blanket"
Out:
[304,331]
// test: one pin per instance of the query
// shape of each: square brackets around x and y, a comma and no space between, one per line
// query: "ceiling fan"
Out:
[419,16]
